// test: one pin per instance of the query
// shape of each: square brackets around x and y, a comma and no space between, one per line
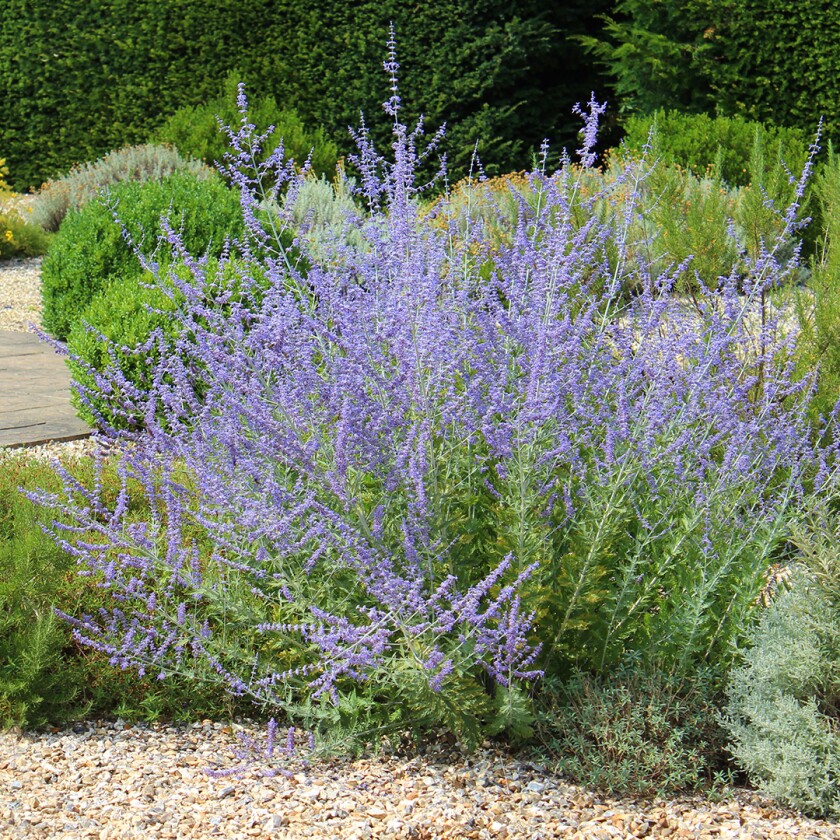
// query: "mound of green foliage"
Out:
[83,183]
[90,250]
[725,145]
[818,304]
[196,131]
[129,327]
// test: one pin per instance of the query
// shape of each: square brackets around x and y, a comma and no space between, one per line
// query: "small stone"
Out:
[225,792]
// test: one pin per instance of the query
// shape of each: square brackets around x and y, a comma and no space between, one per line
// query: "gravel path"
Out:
[110,781]
[20,294]
[106,781]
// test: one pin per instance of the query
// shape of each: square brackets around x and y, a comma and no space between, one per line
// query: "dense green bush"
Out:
[725,145]
[658,54]
[129,326]
[45,676]
[78,79]
[90,250]
[195,130]
[124,316]
[83,183]
[635,732]
[778,61]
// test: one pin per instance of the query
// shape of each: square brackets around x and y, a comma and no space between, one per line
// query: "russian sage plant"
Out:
[432,463]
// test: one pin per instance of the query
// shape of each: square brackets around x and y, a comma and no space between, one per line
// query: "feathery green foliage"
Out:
[818,305]
[773,61]
[35,685]
[783,701]
[45,676]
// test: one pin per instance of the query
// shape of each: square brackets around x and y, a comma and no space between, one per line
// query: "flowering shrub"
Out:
[434,465]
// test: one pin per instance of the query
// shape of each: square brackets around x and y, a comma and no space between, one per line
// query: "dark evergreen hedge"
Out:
[783,62]
[81,77]
[774,61]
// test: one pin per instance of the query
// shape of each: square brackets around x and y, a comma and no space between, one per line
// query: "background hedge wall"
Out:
[774,61]
[79,77]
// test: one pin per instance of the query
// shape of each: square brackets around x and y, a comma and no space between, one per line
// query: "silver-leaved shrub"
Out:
[420,469]
[782,701]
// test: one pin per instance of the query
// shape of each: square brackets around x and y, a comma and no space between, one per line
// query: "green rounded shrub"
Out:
[117,322]
[90,251]
[83,183]
[195,130]
[115,332]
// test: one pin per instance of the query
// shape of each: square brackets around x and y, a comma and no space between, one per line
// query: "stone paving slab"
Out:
[35,393]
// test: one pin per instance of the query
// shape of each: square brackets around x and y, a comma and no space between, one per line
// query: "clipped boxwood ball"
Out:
[90,251]
[117,324]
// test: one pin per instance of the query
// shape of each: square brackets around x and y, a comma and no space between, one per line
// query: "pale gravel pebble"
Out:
[106,780]
[57,449]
